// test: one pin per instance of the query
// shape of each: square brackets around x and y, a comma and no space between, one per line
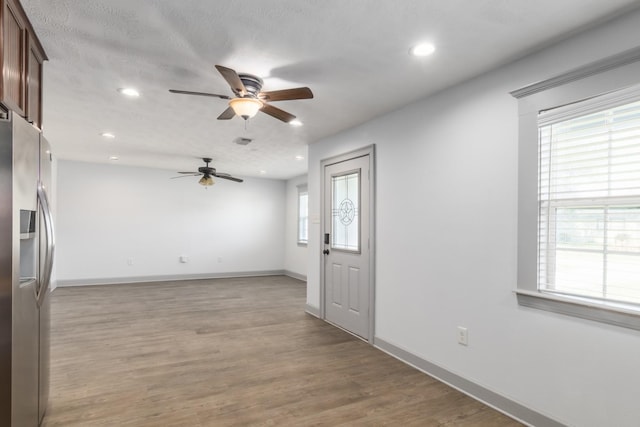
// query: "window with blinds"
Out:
[589,199]
[303,215]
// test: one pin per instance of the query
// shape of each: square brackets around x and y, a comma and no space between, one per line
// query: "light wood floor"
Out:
[229,352]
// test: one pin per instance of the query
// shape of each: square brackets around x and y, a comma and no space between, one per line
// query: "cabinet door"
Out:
[34,84]
[13,70]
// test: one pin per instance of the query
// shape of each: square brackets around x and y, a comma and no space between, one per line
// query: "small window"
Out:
[589,202]
[303,215]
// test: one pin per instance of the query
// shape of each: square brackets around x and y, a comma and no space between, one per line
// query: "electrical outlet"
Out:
[184,259]
[463,336]
[129,261]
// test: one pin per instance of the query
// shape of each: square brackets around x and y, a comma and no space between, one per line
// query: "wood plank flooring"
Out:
[229,352]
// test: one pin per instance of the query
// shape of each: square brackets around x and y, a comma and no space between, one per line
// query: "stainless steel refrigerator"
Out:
[26,261]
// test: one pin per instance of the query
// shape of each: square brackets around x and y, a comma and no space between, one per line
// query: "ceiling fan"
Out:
[249,97]
[207,172]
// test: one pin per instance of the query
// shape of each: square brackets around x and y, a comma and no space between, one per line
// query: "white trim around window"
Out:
[564,94]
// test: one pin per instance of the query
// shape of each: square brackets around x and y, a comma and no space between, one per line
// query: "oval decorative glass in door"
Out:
[345,207]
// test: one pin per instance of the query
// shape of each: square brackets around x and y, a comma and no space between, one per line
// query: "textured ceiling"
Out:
[352,54]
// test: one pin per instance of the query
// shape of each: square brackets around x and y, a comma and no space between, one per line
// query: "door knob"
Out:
[326,252]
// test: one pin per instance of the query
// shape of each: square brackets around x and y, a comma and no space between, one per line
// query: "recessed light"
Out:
[295,122]
[263,172]
[423,49]
[107,135]
[114,158]
[299,157]
[129,91]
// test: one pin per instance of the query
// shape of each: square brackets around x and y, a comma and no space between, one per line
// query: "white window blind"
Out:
[589,199]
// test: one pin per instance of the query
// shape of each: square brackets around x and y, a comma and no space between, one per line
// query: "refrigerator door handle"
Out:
[50,238]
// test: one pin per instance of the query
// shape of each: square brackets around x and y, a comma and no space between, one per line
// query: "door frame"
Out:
[361,152]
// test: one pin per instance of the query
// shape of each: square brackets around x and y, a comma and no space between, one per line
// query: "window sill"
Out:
[302,244]
[585,308]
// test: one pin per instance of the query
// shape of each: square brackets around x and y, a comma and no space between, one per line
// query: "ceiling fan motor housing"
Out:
[252,83]
[206,169]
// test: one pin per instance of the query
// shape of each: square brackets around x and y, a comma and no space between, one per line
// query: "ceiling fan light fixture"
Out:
[206,180]
[245,107]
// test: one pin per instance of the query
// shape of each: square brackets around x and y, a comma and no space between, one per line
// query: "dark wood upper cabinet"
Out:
[13,65]
[21,59]
[35,58]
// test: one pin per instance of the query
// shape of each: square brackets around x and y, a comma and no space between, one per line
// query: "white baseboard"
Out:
[498,402]
[166,278]
[312,310]
[295,275]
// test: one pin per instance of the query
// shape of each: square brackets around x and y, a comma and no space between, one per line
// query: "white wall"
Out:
[53,195]
[108,214]
[446,238]
[295,256]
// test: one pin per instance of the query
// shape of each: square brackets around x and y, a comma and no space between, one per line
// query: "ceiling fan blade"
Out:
[186,92]
[287,94]
[183,176]
[227,114]
[277,113]
[190,173]
[227,176]
[233,79]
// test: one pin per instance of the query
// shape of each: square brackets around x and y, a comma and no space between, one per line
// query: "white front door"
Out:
[347,287]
